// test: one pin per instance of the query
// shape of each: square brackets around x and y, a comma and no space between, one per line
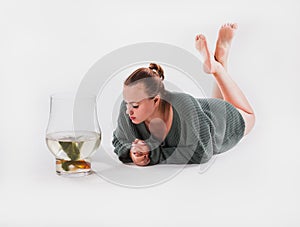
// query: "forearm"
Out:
[231,91]
[122,149]
[175,155]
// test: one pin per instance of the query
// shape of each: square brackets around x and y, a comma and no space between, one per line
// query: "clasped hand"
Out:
[139,153]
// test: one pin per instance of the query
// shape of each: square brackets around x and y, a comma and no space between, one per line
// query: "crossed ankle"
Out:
[219,69]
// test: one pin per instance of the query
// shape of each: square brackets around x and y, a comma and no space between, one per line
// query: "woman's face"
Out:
[140,107]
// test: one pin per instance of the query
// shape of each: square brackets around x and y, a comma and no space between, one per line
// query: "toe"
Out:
[234,26]
[201,37]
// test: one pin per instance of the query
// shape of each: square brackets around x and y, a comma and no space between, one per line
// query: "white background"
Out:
[48,46]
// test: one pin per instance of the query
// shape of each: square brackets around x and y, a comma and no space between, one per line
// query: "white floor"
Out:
[47,47]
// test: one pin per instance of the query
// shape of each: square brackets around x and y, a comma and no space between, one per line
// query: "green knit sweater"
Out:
[200,128]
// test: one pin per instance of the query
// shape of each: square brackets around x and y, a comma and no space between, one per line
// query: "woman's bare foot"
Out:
[210,65]
[226,34]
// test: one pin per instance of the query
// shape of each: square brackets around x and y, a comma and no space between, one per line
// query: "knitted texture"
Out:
[200,129]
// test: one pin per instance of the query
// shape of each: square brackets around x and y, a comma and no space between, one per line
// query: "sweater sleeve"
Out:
[121,149]
[175,155]
[123,136]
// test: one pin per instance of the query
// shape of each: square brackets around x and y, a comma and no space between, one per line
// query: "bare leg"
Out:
[201,46]
[229,89]
[216,93]
[226,34]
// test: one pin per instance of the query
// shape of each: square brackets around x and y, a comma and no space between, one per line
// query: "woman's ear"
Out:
[157,98]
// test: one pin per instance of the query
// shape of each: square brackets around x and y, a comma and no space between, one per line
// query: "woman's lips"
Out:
[132,118]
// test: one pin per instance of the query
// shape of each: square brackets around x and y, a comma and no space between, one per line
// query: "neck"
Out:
[160,124]
[163,115]
[156,114]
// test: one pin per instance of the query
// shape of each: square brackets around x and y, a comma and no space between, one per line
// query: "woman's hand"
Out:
[139,153]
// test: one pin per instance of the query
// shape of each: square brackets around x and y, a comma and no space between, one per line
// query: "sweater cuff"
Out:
[155,150]
[124,154]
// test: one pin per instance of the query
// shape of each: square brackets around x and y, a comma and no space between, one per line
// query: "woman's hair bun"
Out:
[157,69]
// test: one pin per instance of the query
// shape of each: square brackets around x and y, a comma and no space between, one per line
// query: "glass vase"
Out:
[73,133]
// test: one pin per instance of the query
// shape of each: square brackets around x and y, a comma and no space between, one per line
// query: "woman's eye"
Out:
[135,107]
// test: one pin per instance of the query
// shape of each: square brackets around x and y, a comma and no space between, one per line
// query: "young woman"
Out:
[159,126]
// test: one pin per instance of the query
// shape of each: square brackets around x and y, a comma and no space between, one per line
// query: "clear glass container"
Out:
[73,133]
